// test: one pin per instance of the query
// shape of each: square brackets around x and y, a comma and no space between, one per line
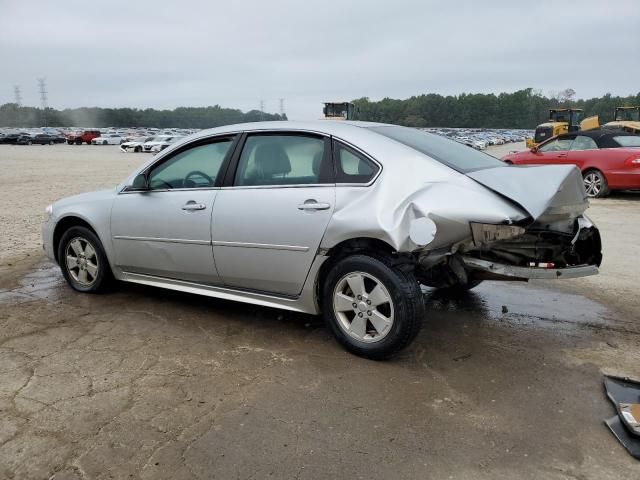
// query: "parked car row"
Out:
[149,144]
[25,138]
[480,139]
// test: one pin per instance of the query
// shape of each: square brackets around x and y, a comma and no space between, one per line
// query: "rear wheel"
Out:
[82,260]
[372,305]
[78,142]
[595,184]
[104,142]
[137,149]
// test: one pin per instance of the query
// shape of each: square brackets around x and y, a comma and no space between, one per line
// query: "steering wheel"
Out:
[200,174]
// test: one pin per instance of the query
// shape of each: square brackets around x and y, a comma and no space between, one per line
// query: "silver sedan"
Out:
[347,219]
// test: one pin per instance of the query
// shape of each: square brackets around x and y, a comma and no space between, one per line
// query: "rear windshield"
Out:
[628,140]
[453,154]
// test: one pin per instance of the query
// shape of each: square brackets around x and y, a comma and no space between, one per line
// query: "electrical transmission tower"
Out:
[282,107]
[42,86]
[17,95]
[261,110]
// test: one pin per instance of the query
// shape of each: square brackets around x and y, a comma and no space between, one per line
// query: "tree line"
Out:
[521,109]
[11,115]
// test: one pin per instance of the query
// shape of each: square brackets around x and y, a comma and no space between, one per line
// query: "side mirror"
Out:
[139,183]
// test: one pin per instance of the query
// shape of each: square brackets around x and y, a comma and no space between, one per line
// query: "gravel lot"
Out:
[145,383]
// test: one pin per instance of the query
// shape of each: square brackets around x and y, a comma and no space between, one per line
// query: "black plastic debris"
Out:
[628,441]
[624,393]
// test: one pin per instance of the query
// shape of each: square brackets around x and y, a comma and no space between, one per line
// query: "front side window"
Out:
[351,166]
[628,140]
[197,167]
[285,159]
[584,143]
[557,145]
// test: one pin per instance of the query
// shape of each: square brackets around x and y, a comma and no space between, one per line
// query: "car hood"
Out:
[85,198]
[537,189]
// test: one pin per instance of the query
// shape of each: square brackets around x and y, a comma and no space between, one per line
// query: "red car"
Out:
[82,137]
[609,159]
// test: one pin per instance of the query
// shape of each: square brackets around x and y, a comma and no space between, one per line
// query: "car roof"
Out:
[330,127]
[602,136]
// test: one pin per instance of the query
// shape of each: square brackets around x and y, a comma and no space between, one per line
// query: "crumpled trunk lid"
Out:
[540,189]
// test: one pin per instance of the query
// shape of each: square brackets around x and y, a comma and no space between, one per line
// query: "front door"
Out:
[166,231]
[554,152]
[268,225]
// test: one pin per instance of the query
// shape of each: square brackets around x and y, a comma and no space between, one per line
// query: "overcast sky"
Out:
[165,54]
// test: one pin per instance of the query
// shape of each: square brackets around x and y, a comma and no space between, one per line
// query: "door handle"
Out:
[313,205]
[192,205]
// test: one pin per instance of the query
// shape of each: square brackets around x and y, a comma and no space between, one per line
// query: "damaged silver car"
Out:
[346,219]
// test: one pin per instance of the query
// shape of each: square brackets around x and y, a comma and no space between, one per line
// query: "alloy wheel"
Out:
[363,307]
[82,261]
[592,184]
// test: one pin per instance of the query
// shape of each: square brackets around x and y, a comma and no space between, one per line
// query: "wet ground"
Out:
[503,382]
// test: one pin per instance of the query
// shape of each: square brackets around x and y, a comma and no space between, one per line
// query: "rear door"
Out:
[270,218]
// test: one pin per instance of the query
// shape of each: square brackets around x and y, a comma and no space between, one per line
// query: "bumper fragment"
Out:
[502,271]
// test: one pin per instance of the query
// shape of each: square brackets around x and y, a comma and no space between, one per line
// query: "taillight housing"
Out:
[633,161]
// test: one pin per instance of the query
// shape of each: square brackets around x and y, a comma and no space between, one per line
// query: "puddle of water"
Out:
[520,302]
[515,302]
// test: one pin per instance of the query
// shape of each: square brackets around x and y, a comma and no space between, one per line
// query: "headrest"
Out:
[271,159]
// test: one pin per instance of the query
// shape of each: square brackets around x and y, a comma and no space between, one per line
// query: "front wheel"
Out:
[82,260]
[595,184]
[372,305]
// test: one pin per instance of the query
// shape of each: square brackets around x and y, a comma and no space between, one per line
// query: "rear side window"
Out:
[584,143]
[285,159]
[628,140]
[351,166]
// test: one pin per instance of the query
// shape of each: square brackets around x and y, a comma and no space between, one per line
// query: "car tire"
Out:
[137,149]
[104,142]
[384,320]
[78,142]
[83,262]
[595,183]
[50,142]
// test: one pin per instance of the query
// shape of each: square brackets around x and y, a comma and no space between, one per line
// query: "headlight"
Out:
[49,211]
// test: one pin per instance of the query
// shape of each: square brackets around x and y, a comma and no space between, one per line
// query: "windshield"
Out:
[453,154]
[628,115]
[628,141]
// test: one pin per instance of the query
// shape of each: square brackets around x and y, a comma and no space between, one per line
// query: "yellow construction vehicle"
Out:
[561,120]
[627,118]
[339,111]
